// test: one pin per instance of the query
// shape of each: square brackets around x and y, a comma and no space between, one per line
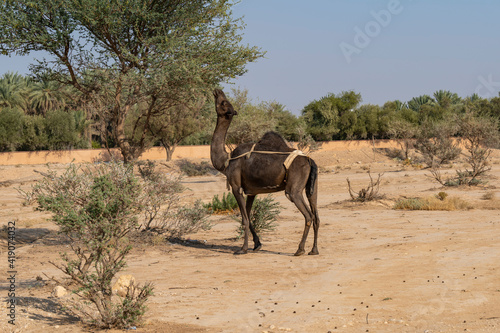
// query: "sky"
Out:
[383,49]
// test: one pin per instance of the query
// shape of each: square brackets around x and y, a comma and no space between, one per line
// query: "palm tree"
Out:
[416,103]
[46,95]
[13,90]
[400,105]
[445,98]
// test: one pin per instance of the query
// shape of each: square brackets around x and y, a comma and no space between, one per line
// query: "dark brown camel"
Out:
[263,171]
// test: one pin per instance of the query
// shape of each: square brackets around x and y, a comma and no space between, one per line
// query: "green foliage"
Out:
[435,142]
[252,121]
[35,136]
[322,116]
[11,126]
[61,130]
[416,103]
[13,91]
[263,215]
[55,131]
[286,123]
[145,58]
[96,207]
[227,204]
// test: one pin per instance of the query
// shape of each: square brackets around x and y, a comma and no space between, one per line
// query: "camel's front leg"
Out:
[245,221]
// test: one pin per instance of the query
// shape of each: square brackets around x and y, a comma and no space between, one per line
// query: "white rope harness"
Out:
[291,155]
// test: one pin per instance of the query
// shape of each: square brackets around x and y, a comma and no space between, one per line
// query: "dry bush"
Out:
[436,144]
[306,143]
[438,202]
[371,192]
[108,156]
[161,211]
[490,195]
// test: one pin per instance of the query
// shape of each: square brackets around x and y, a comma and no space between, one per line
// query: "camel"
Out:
[260,168]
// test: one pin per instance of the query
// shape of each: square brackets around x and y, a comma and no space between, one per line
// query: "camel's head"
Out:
[222,105]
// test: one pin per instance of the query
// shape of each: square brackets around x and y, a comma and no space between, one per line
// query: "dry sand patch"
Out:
[379,269]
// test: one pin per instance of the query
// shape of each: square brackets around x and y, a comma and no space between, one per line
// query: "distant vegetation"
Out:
[41,114]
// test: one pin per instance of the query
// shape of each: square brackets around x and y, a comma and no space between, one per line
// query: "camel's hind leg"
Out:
[313,202]
[295,196]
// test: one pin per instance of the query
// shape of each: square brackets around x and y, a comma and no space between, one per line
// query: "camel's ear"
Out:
[218,93]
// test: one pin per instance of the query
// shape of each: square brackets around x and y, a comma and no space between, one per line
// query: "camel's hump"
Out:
[272,141]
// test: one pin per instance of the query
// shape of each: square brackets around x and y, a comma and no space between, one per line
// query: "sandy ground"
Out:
[379,269]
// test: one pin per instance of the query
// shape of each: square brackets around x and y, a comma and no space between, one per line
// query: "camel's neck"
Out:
[218,153]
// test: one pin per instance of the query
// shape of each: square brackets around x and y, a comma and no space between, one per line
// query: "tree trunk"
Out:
[169,149]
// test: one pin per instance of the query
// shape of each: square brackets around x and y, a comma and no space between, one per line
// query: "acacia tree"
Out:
[133,60]
[176,124]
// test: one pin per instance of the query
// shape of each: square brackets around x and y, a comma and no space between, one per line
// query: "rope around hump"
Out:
[291,155]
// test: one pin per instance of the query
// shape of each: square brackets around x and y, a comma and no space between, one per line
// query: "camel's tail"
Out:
[313,176]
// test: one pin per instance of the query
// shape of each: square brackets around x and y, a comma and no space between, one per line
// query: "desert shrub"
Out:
[442,196]
[404,133]
[161,211]
[371,192]
[108,156]
[196,169]
[490,195]
[436,144]
[410,204]
[263,215]
[433,203]
[96,207]
[227,204]
[306,142]
[186,220]
[478,135]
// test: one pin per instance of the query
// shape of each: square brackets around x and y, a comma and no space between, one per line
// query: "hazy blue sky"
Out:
[421,47]
[383,49]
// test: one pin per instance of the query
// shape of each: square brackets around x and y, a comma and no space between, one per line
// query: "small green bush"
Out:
[226,205]
[96,207]
[263,215]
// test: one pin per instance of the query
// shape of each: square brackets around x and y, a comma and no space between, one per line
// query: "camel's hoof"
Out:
[299,253]
[313,253]
[241,251]
[257,248]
